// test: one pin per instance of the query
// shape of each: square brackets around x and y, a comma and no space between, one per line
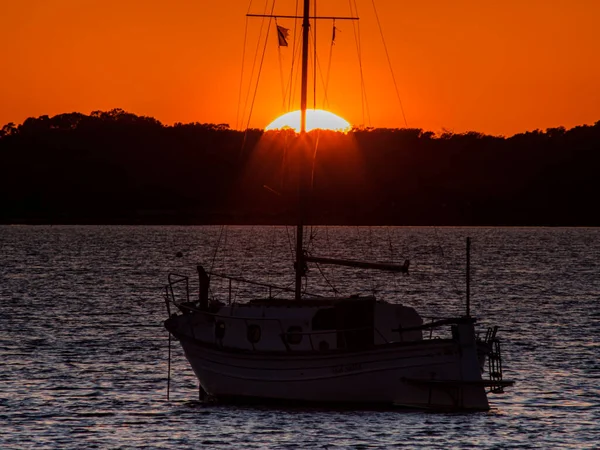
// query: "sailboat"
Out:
[355,350]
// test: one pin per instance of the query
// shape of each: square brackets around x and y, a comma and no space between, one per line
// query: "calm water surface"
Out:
[84,355]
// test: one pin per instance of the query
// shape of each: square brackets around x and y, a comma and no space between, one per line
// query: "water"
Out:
[84,355]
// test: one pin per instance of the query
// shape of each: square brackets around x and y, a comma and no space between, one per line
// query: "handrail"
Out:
[243,280]
[438,323]
[257,283]
[191,308]
[179,279]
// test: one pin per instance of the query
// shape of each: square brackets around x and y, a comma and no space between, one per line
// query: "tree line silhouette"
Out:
[117,167]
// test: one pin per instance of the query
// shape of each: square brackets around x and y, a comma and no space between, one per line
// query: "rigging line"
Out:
[326,87]
[262,59]
[356,30]
[290,86]
[294,51]
[262,23]
[364,254]
[309,244]
[326,99]
[291,246]
[212,264]
[372,277]
[311,61]
[329,252]
[316,64]
[237,115]
[298,74]
[283,158]
[240,119]
[389,63]
[225,248]
[392,256]
[392,259]
[271,255]
[333,288]
[314,26]
[357,43]
[282,291]
[241,271]
[314,161]
[363,82]
[390,244]
[457,291]
[312,237]
[407,251]
[213,293]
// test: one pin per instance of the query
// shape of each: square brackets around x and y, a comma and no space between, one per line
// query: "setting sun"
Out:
[315,119]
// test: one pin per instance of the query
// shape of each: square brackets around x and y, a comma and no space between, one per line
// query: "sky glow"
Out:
[498,68]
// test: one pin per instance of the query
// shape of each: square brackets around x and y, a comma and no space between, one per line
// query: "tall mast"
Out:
[300,262]
[304,91]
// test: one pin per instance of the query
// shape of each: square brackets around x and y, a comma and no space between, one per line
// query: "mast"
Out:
[468,276]
[302,151]
[304,91]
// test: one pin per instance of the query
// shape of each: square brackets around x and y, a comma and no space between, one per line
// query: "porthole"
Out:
[219,329]
[294,335]
[253,334]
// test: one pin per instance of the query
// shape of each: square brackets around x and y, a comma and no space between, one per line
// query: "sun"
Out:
[315,119]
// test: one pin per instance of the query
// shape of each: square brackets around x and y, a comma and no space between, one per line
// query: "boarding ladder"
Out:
[494,361]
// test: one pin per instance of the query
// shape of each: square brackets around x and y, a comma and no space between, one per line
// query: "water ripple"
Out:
[84,352]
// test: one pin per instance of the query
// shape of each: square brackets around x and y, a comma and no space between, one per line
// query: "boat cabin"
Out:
[323,324]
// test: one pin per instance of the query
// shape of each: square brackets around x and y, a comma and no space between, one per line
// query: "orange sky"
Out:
[495,67]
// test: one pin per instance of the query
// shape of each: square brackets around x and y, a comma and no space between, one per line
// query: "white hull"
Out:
[386,375]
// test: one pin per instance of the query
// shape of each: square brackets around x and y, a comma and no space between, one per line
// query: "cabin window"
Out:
[354,323]
[219,329]
[294,335]
[253,333]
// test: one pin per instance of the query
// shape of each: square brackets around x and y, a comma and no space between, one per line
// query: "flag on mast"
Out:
[333,34]
[282,35]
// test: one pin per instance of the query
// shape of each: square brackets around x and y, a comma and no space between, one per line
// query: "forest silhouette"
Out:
[117,167]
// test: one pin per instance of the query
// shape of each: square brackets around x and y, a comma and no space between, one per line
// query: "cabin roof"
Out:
[310,302]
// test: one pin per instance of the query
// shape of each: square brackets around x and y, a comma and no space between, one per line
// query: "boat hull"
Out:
[429,374]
